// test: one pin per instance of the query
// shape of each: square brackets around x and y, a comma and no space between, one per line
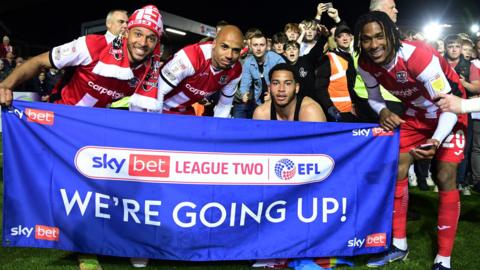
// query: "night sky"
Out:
[48,23]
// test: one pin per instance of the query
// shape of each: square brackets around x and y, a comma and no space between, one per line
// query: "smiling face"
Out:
[375,44]
[141,42]
[227,47]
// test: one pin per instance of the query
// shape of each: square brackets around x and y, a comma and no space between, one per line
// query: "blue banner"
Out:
[175,187]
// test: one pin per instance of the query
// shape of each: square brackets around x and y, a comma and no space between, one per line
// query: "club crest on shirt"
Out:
[117,53]
[133,82]
[223,80]
[401,76]
[147,86]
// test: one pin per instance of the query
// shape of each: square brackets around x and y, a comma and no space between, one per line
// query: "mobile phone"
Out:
[425,146]
[329,5]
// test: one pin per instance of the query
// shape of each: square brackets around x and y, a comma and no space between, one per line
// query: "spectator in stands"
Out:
[116,23]
[6,47]
[53,76]
[440,47]
[19,61]
[248,40]
[39,85]
[477,47]
[292,30]
[9,62]
[467,49]
[470,79]
[3,71]
[254,84]
[305,65]
[387,6]
[416,75]
[284,103]
[309,36]
[336,79]
[279,40]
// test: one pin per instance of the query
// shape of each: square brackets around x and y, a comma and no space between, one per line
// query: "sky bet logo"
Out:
[365,132]
[160,166]
[139,165]
[372,240]
[42,232]
[40,116]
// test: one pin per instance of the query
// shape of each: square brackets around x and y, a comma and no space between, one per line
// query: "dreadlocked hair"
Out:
[392,34]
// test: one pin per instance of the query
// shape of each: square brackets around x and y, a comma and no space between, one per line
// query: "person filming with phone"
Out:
[415,73]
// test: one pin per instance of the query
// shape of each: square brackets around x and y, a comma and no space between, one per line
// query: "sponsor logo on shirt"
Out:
[196,91]
[105,91]
[404,92]
[401,76]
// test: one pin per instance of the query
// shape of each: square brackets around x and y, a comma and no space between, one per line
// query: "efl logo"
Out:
[149,165]
[381,132]
[285,169]
[47,233]
[376,240]
[40,116]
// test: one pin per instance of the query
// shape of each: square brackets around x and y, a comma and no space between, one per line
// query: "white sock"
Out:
[400,243]
[444,260]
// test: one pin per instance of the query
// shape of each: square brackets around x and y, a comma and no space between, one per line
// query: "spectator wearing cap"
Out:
[336,79]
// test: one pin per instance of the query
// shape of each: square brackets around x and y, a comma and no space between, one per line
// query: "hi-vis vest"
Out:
[338,87]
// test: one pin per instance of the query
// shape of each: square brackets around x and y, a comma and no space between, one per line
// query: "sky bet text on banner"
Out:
[194,188]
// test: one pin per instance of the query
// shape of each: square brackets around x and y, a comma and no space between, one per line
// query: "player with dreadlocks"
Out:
[415,73]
